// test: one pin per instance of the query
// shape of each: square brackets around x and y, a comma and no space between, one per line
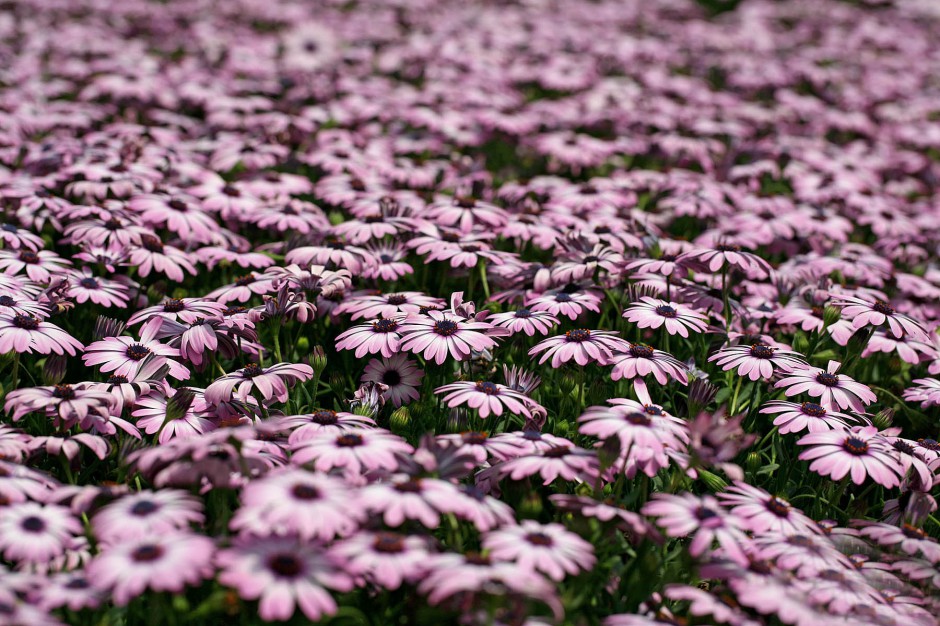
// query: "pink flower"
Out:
[153,256]
[762,511]
[322,420]
[795,417]
[525,321]
[704,519]
[653,313]
[582,345]
[33,533]
[355,450]
[563,461]
[161,562]
[486,398]
[440,333]
[907,538]
[295,502]
[124,355]
[639,360]
[401,374]
[382,336]
[859,452]
[385,558]
[146,513]
[831,388]
[28,333]
[69,403]
[270,382]
[371,305]
[570,302]
[863,313]
[547,548]
[758,360]
[186,310]
[420,499]
[726,255]
[283,574]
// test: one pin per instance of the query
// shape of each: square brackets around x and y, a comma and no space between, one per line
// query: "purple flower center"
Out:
[638,419]
[641,351]
[177,205]
[827,379]
[391,377]
[230,191]
[117,380]
[409,486]
[144,508]
[762,351]
[669,258]
[349,441]
[10,228]
[33,524]
[78,583]
[113,224]
[557,452]
[477,559]
[588,190]
[305,492]
[812,409]
[136,352]
[524,313]
[855,446]
[652,409]
[704,513]
[28,256]
[930,444]
[384,326]
[324,417]
[64,392]
[446,328]
[912,532]
[666,311]
[151,244]
[7,301]
[778,506]
[579,335]
[882,307]
[147,553]
[244,281]
[800,541]
[396,299]
[490,389]
[26,322]
[373,219]
[539,539]
[474,438]
[88,283]
[465,202]
[388,543]
[727,247]
[173,306]
[563,297]
[285,565]
[252,370]
[903,447]
[386,258]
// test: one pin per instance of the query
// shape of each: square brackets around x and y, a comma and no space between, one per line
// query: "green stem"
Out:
[481,264]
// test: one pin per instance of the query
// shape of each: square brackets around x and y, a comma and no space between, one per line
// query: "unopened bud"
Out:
[400,420]
[754,462]
[318,360]
[531,506]
[107,327]
[883,418]
[800,343]
[713,481]
[831,315]
[567,383]
[53,370]
[178,405]
[156,293]
[303,344]
[337,383]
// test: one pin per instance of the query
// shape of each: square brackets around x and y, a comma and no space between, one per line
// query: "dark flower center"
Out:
[669,258]
[474,437]
[539,539]
[396,299]
[652,409]
[88,283]
[78,583]
[641,351]
[727,247]
[902,446]
[252,370]
[446,328]
[233,310]
[147,553]
[762,351]
[800,541]
[305,492]
[812,409]
[233,192]
[912,532]
[151,243]
[557,452]
[177,205]
[465,202]
[65,392]
[349,441]
[113,224]
[285,565]
[855,446]
[28,256]
[666,311]
[704,513]
[827,379]
[136,352]
[144,508]
[117,380]
[477,559]
[930,444]
[563,297]
[324,417]
[10,228]
[409,486]
[638,419]
[778,506]
[26,322]
[882,307]
[524,313]
[244,281]
[388,543]
[384,326]
[588,190]
[579,335]
[386,258]
[173,306]
[391,378]
[7,301]
[33,524]
[488,388]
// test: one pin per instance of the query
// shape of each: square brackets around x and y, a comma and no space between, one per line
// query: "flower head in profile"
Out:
[377,336]
[758,360]
[354,451]
[795,417]
[860,453]
[486,397]
[678,319]
[863,312]
[438,335]
[270,382]
[24,332]
[581,345]
[547,548]
[832,389]
[726,255]
[640,360]
[702,518]
[525,321]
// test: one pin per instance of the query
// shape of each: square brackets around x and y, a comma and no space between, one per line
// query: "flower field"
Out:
[488,313]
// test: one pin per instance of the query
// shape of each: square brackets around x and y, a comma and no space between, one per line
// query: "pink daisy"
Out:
[652,313]
[762,511]
[400,374]
[124,355]
[582,345]
[486,398]
[570,302]
[704,519]
[726,255]
[793,417]
[371,305]
[567,462]
[270,382]
[385,558]
[860,452]
[862,313]
[639,360]
[283,574]
[525,321]
[146,513]
[322,420]
[355,450]
[152,255]
[419,499]
[378,336]
[547,548]
[758,360]
[831,388]
[439,333]
[27,333]
[33,533]
[69,403]
[161,562]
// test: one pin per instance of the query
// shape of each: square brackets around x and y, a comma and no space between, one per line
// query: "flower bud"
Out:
[53,370]
[337,383]
[831,315]
[609,452]
[883,418]
[531,506]
[400,420]
[318,360]
[156,292]
[178,405]
[303,344]
[800,343]
[713,481]
[107,327]
[754,462]
[567,383]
